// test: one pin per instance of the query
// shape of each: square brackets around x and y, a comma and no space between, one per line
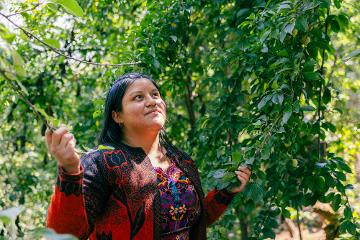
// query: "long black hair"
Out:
[111,133]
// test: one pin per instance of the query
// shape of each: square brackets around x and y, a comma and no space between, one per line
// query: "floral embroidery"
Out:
[180,205]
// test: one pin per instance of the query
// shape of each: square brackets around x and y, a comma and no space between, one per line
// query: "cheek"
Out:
[134,109]
[163,106]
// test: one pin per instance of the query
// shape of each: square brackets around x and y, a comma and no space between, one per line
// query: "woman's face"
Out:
[143,109]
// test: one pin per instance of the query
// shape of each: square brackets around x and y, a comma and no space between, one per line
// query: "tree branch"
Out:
[16,88]
[60,53]
[319,112]
[26,10]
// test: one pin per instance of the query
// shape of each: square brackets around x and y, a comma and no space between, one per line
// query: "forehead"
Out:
[141,84]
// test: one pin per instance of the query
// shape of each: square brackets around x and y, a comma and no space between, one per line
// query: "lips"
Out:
[155,110]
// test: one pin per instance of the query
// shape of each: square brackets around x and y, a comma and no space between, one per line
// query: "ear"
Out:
[117,117]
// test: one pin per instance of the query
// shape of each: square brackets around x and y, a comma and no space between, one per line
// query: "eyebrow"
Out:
[136,92]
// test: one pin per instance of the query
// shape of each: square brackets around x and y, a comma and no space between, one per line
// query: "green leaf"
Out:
[286,116]
[23,88]
[156,63]
[336,202]
[309,65]
[285,213]
[308,108]
[236,156]
[311,76]
[302,23]
[277,98]
[340,175]
[8,37]
[296,106]
[52,42]
[71,6]
[344,166]
[347,226]
[228,176]
[329,197]
[254,192]
[289,28]
[343,21]
[329,126]
[327,96]
[332,20]
[337,3]
[97,113]
[268,233]
[263,101]
[24,37]
[219,173]
[42,112]
[347,212]
[52,6]
[105,147]
[18,63]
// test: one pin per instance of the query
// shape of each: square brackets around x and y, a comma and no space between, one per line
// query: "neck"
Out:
[149,143]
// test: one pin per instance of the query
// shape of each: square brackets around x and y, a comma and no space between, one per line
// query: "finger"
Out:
[71,144]
[65,139]
[247,174]
[244,175]
[242,180]
[57,135]
[245,169]
[48,137]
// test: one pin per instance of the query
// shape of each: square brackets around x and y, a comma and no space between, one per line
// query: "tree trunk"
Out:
[357,167]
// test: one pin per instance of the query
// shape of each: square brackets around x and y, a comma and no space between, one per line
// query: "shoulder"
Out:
[103,155]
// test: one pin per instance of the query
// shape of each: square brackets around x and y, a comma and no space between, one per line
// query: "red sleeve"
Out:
[78,198]
[215,204]
[66,213]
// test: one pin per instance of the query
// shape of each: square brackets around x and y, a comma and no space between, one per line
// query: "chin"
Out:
[156,126]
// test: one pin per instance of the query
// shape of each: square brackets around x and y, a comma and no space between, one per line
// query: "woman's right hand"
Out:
[61,144]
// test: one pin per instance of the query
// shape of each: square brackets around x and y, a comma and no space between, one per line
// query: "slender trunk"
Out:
[357,167]
[244,229]
[298,223]
[189,102]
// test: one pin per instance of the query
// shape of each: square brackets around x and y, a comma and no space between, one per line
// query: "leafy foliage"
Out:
[246,83]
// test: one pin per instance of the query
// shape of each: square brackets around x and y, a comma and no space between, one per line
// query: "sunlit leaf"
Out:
[71,6]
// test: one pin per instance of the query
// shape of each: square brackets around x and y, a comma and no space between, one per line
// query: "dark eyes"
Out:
[140,97]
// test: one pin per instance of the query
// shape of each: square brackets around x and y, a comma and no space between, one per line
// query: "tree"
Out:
[247,79]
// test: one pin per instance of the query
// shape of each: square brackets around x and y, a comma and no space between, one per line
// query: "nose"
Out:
[150,102]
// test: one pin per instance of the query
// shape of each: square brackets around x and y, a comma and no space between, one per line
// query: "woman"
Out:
[141,188]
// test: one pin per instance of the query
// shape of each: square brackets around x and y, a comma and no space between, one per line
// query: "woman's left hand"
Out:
[243,174]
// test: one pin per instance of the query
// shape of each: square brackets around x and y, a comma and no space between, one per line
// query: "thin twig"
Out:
[38,114]
[59,52]
[23,97]
[267,136]
[23,11]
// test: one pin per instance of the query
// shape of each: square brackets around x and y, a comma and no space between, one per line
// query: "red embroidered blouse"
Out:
[180,205]
[116,196]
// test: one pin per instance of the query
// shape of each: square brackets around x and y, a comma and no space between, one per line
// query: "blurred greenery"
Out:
[270,84]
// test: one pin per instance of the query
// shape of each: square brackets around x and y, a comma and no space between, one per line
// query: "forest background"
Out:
[271,84]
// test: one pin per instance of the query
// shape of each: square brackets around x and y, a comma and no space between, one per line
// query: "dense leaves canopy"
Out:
[246,83]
